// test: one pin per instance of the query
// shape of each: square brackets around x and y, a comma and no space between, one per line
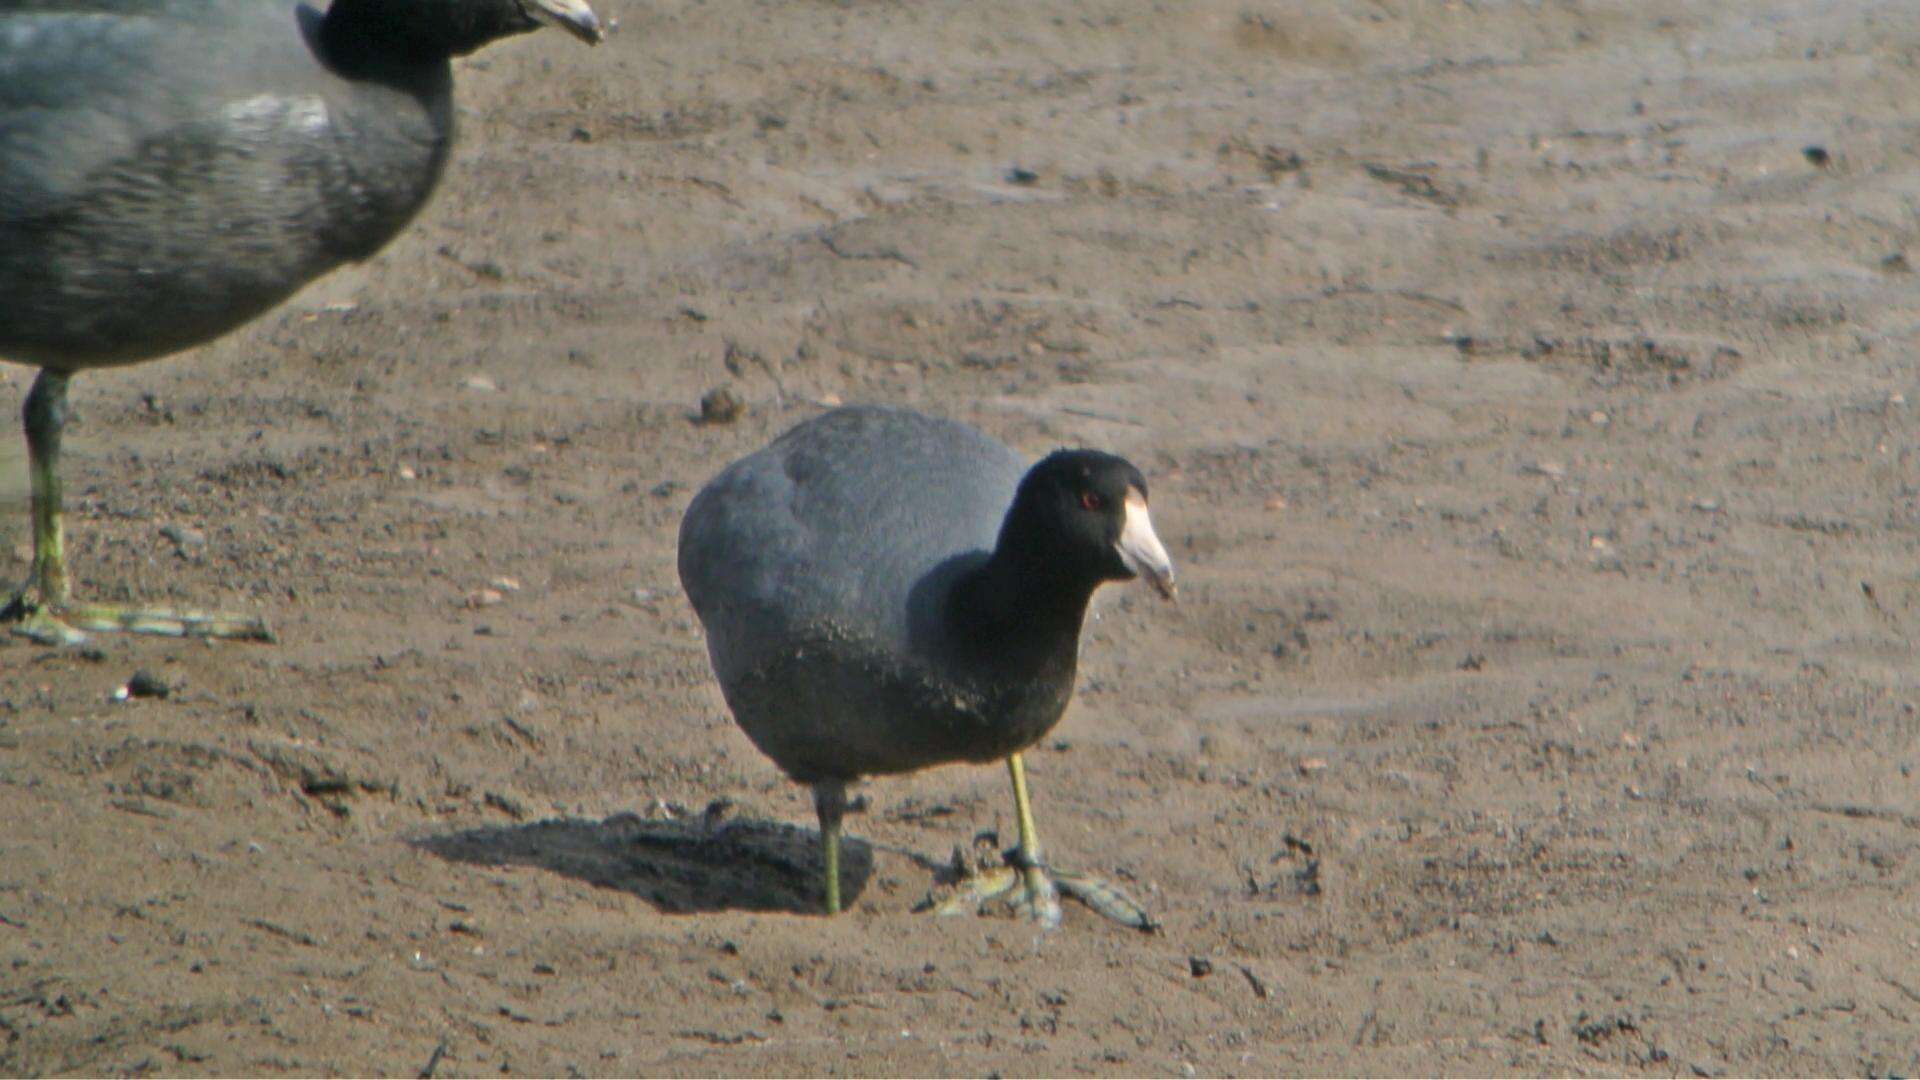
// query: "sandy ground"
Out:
[1527,391]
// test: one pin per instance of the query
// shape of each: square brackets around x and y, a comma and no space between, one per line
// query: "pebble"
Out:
[183,537]
[146,684]
[721,405]
[481,383]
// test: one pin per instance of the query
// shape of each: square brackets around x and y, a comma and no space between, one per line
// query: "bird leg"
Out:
[43,609]
[1031,888]
[830,803]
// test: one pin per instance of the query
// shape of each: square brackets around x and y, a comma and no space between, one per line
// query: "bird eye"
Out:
[1092,500]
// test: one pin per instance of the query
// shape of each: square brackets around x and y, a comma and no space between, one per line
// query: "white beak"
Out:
[573,16]
[1141,550]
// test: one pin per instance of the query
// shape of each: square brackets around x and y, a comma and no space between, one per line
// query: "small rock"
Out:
[721,406]
[184,538]
[1260,988]
[407,473]
[484,598]
[506,804]
[1199,966]
[481,383]
[505,584]
[146,684]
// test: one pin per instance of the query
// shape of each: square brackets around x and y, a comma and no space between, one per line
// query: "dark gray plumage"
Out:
[883,591]
[173,168]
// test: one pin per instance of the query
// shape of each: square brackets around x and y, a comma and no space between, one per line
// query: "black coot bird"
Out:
[170,169]
[883,591]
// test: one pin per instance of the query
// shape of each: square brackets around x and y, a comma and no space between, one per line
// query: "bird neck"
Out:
[416,30]
[1019,613]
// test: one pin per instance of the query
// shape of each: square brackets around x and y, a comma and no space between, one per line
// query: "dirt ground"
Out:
[1527,393]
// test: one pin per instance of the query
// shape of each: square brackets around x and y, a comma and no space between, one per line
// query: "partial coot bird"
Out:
[170,169]
[883,591]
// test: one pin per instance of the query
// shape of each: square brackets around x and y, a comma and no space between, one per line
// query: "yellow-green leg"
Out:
[43,609]
[1030,887]
[830,803]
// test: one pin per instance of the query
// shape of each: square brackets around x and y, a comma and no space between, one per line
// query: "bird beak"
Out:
[1141,550]
[573,16]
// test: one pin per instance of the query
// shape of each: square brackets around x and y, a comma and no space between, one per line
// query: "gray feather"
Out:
[173,169]
[819,567]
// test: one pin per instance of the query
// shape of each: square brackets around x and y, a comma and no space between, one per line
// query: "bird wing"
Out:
[58,127]
[829,529]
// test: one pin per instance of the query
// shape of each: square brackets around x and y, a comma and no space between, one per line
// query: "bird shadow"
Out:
[680,866]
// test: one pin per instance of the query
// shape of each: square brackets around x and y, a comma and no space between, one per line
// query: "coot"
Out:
[170,169]
[884,591]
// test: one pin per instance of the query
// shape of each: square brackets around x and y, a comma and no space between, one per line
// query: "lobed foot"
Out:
[70,623]
[43,610]
[1107,899]
[1030,892]
[1034,893]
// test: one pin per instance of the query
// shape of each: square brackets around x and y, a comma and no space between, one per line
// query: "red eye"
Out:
[1092,500]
